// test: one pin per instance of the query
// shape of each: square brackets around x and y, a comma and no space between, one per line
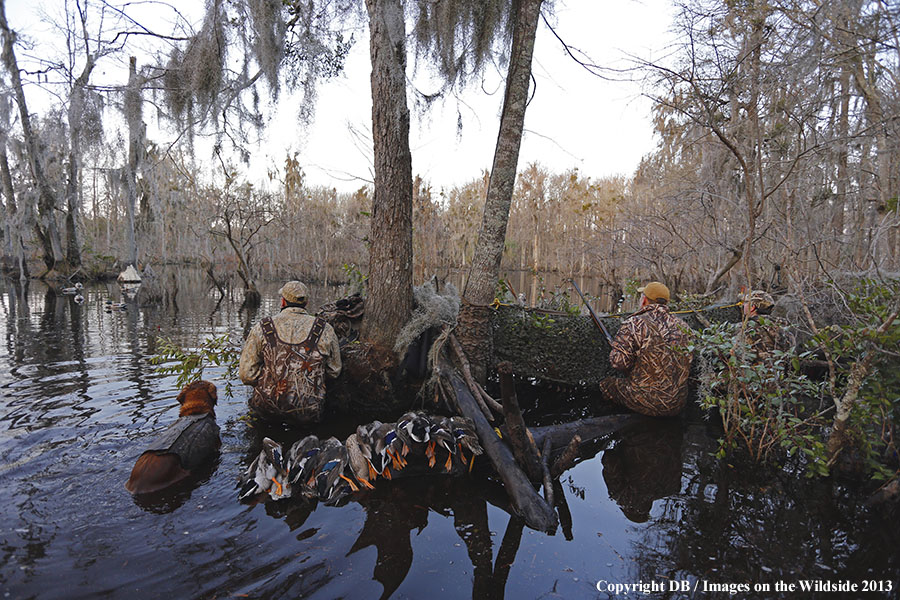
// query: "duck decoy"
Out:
[78,299]
[76,289]
[266,473]
[111,306]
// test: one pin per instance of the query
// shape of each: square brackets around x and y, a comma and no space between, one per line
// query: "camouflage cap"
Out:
[655,291]
[760,299]
[294,292]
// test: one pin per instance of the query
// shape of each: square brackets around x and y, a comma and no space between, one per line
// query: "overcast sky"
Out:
[575,119]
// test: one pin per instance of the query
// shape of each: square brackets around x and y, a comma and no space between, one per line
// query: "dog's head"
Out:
[197,398]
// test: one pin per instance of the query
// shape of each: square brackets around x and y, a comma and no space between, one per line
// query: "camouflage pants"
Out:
[622,392]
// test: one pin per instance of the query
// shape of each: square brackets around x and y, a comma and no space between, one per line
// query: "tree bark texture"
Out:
[485,270]
[133,116]
[489,250]
[14,249]
[46,228]
[76,116]
[389,299]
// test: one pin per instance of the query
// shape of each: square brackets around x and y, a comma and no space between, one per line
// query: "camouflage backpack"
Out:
[292,384]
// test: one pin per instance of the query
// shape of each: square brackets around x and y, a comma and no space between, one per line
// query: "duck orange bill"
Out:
[353,486]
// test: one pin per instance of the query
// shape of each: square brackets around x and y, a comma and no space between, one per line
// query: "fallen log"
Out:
[567,458]
[520,441]
[545,468]
[589,429]
[536,513]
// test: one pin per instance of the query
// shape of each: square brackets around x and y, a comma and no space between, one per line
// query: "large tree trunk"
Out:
[76,113]
[485,271]
[135,130]
[13,248]
[46,228]
[389,299]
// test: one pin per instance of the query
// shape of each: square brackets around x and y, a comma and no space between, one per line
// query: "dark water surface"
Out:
[79,402]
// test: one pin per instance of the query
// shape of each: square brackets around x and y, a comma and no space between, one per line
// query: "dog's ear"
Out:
[182,396]
[212,391]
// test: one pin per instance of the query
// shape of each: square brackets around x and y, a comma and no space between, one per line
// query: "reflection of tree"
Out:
[643,466]
[747,524]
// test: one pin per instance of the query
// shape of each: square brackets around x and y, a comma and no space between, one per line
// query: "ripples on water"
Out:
[79,402]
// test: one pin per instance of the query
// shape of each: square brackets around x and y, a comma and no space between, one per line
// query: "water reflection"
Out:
[644,465]
[79,402]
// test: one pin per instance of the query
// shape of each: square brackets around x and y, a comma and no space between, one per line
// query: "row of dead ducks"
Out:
[330,470]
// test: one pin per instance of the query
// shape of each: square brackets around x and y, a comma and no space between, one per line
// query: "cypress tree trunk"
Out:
[46,228]
[389,298]
[76,113]
[474,324]
[133,116]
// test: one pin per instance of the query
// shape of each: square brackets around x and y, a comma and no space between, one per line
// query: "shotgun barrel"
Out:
[594,316]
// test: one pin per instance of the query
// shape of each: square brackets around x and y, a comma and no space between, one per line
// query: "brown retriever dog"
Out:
[187,444]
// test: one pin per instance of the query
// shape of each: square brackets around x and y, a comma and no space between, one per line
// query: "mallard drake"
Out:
[394,446]
[359,465]
[301,462]
[329,477]
[386,443]
[416,426]
[441,434]
[76,289]
[266,473]
[466,438]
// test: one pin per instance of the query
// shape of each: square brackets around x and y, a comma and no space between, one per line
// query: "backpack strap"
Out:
[268,329]
[312,340]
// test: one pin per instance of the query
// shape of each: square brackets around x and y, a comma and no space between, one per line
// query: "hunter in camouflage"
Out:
[650,349]
[765,333]
[286,359]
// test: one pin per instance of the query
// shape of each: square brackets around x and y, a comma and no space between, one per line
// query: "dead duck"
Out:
[301,463]
[71,291]
[366,438]
[441,434]
[359,465]
[466,439]
[330,478]
[266,474]
[414,426]
[385,453]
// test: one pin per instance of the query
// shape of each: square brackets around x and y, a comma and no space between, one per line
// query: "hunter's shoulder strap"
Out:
[268,329]
[312,340]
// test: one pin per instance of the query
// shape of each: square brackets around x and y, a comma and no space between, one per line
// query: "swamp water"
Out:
[79,401]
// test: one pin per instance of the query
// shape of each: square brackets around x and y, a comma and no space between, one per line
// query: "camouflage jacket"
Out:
[293,326]
[650,348]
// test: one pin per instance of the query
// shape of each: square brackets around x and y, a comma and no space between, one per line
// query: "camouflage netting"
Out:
[560,348]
